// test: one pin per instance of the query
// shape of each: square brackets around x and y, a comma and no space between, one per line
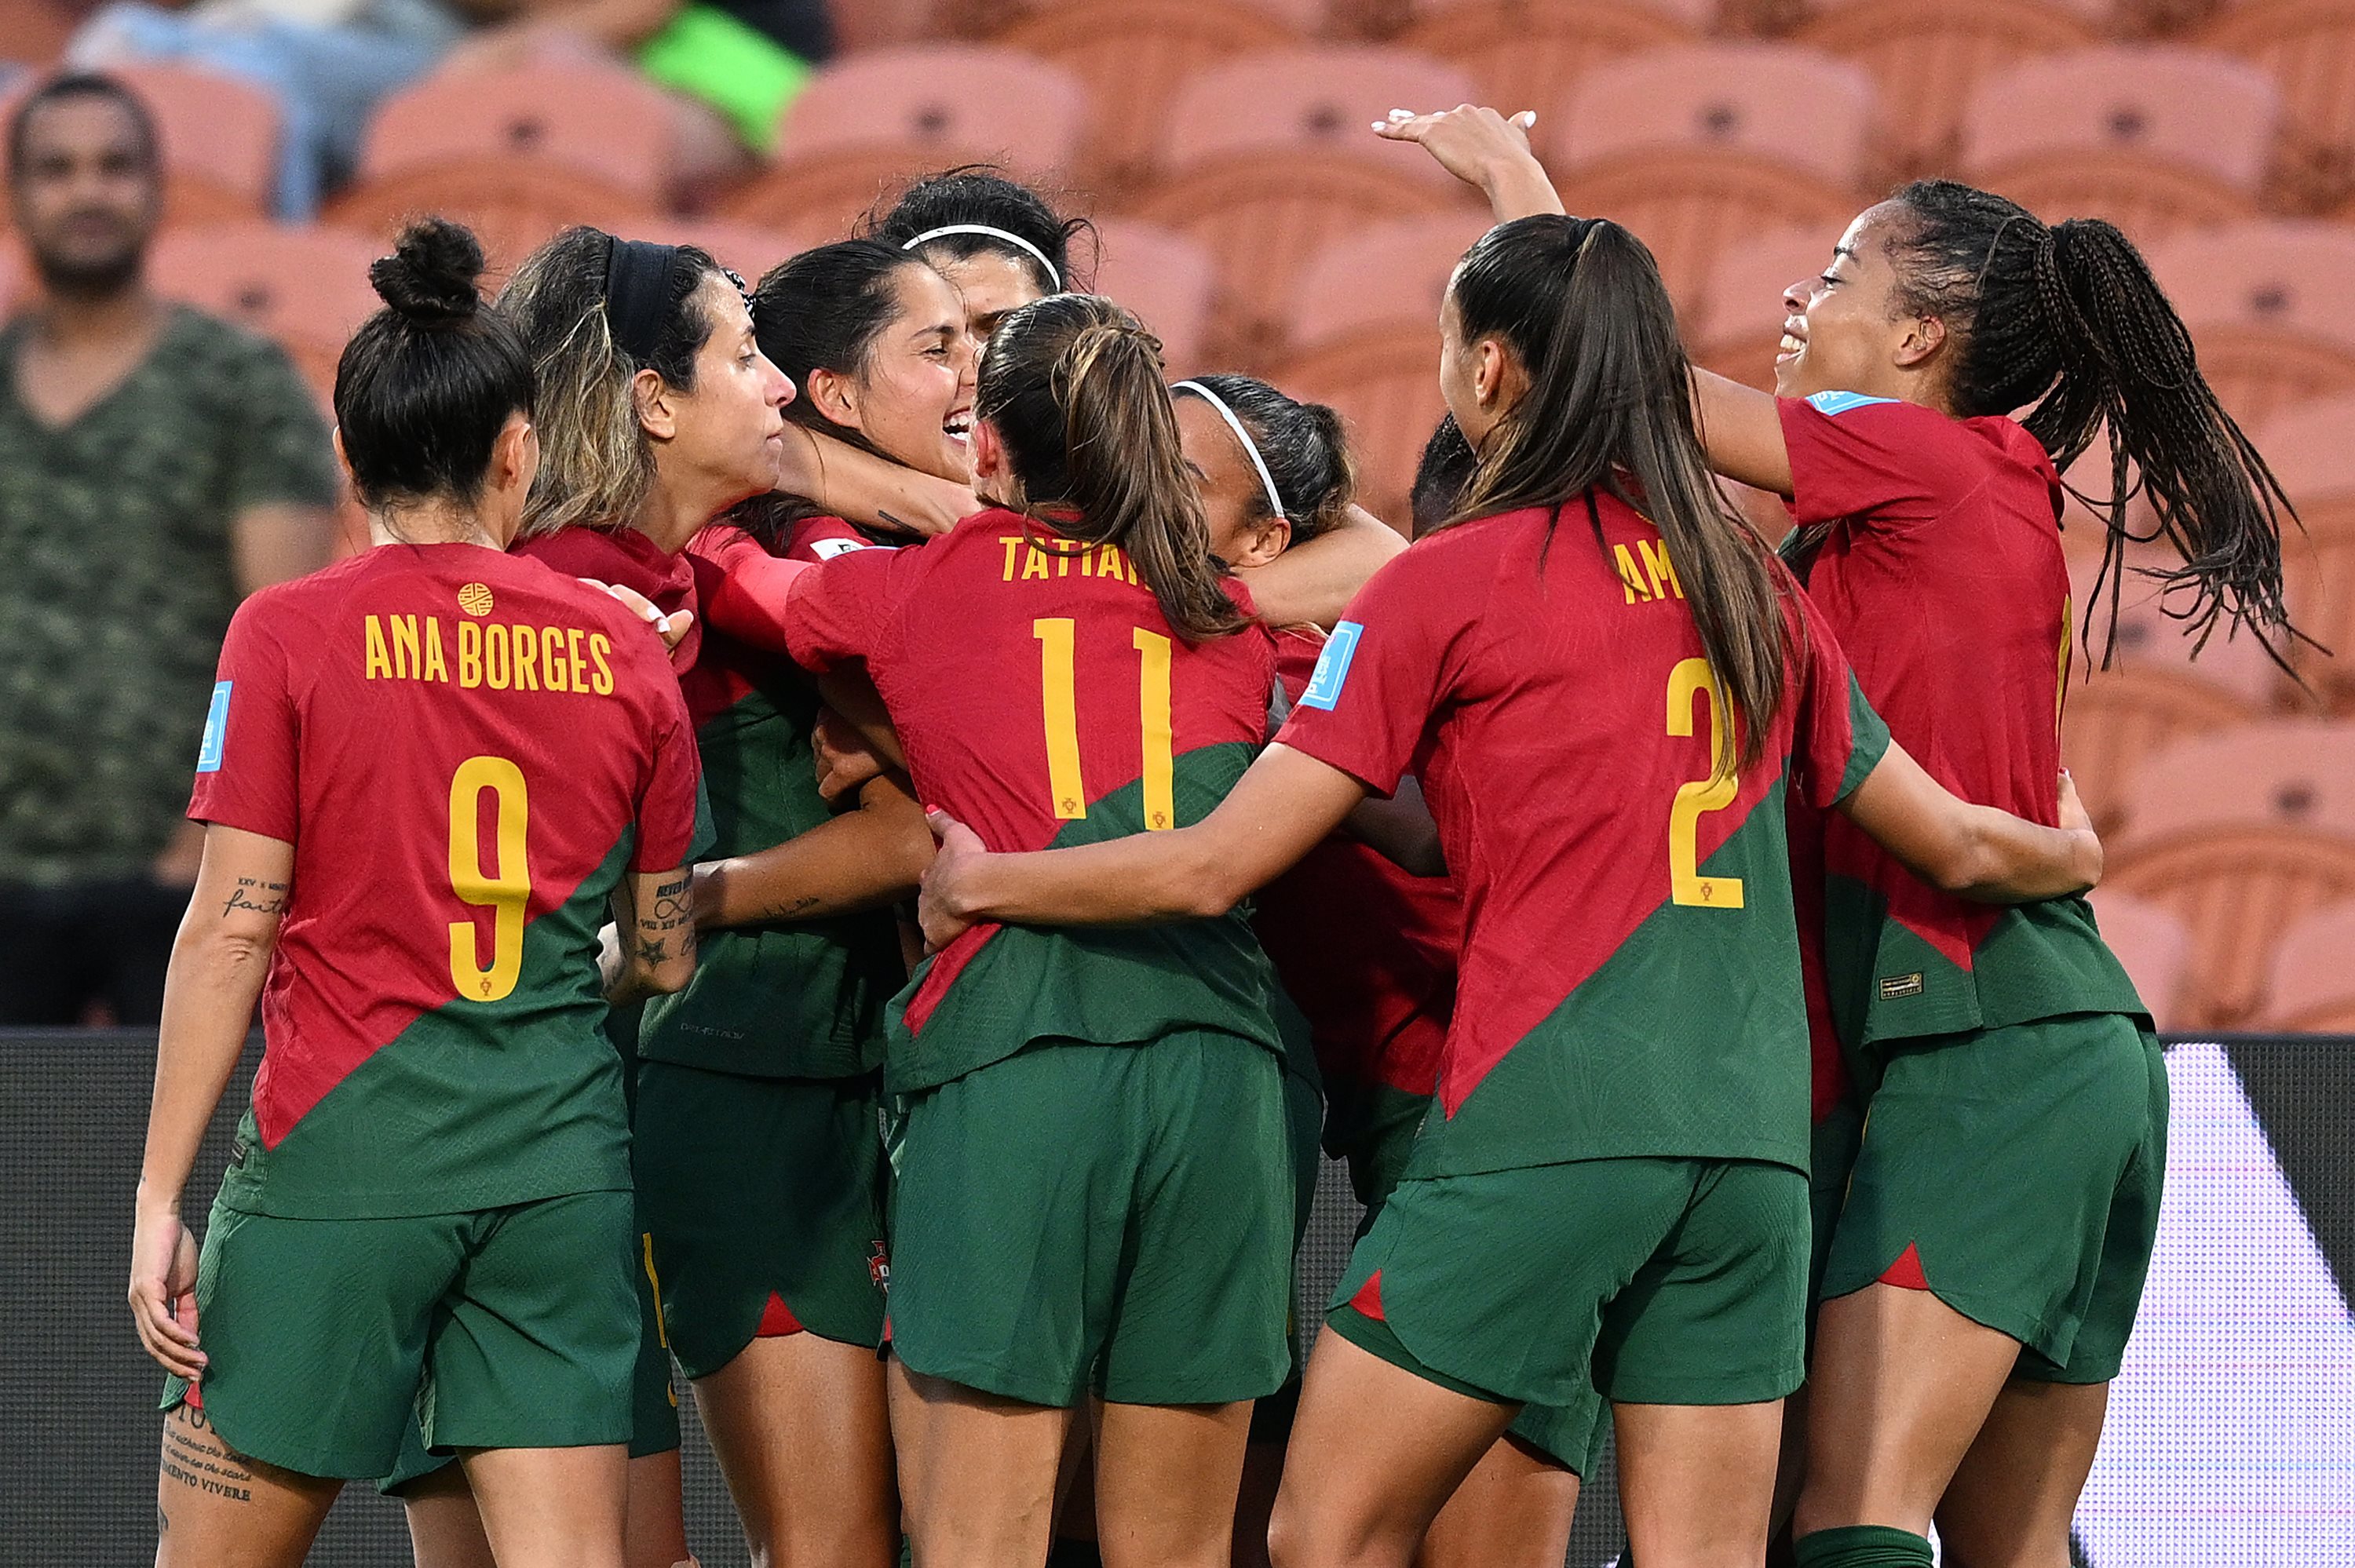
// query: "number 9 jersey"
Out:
[467,750]
[1630,982]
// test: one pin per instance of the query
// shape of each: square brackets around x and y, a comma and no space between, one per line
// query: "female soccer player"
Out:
[1091,1189]
[1965,1348]
[1622,1139]
[658,414]
[424,771]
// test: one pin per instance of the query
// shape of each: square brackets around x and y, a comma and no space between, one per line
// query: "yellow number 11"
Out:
[1690,680]
[1059,691]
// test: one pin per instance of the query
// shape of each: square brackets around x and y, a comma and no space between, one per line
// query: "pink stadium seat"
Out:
[2155,139]
[1523,53]
[1736,326]
[2154,948]
[2312,985]
[1270,157]
[2155,692]
[2240,833]
[2307,46]
[34,32]
[743,248]
[519,153]
[2271,307]
[1693,148]
[872,122]
[861,24]
[1927,55]
[307,289]
[1166,278]
[2310,451]
[1132,54]
[1366,312]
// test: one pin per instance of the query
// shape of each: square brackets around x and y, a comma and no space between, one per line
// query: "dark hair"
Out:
[425,386]
[82,84]
[597,465]
[2068,317]
[1440,476]
[1073,387]
[1302,446]
[981,194]
[1578,302]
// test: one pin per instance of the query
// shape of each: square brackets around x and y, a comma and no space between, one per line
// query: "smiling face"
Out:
[1233,500]
[911,393]
[728,432]
[992,283]
[1843,331]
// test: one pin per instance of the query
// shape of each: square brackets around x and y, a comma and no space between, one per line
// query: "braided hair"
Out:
[2068,318]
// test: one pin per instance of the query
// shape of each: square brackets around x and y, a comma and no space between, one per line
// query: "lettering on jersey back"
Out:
[1647,573]
[1042,557]
[496,655]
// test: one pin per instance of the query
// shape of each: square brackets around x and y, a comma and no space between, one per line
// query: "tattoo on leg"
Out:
[194,1457]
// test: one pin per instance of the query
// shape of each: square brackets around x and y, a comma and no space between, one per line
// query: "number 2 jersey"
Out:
[1044,701]
[467,750]
[1630,980]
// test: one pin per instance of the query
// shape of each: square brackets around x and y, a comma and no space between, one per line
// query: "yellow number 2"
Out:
[505,892]
[1689,681]
[1058,685]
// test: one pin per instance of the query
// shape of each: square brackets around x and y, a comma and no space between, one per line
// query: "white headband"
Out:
[1251,448]
[1053,276]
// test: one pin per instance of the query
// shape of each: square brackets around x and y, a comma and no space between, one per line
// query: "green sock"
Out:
[1863,1546]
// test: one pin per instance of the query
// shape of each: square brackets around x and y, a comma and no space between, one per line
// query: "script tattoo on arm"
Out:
[258,897]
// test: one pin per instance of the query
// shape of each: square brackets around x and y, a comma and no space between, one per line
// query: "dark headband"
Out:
[639,277]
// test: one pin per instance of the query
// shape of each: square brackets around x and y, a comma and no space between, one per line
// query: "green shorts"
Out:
[2015,1173]
[1648,1281]
[1833,1144]
[765,1199]
[507,1328]
[1114,1216]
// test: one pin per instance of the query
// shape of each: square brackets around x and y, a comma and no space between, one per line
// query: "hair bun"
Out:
[431,277]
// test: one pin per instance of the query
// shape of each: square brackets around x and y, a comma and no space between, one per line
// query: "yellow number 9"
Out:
[1690,680]
[505,892]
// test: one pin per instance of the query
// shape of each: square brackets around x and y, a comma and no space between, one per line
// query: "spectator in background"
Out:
[156,465]
[730,65]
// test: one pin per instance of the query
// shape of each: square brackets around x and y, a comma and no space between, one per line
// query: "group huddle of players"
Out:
[898,949]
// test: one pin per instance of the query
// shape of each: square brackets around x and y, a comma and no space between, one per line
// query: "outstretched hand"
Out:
[1485,150]
[940,906]
[672,628]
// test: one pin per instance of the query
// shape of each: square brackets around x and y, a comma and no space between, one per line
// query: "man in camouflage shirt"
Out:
[155,466]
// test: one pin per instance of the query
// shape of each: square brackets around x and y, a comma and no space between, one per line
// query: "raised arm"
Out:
[1283,807]
[1742,432]
[218,962]
[868,489]
[1974,852]
[1312,583]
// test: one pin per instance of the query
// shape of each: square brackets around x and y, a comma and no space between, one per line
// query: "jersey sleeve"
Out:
[1839,738]
[1853,456]
[246,772]
[743,589]
[1379,677]
[815,539]
[840,610]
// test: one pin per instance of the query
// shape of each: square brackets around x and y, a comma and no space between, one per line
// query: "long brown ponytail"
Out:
[1609,407]
[1074,388]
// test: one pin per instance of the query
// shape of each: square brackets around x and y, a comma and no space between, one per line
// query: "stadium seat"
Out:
[2155,139]
[1927,55]
[2307,46]
[741,249]
[870,123]
[1735,325]
[2240,833]
[2153,945]
[1132,54]
[861,24]
[2311,449]
[2311,987]
[2271,307]
[1523,53]
[1693,148]
[2155,692]
[1166,278]
[306,289]
[517,152]
[1367,333]
[1270,157]
[34,32]
[219,139]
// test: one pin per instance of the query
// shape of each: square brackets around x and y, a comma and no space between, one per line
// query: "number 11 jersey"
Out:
[1044,701]
[467,750]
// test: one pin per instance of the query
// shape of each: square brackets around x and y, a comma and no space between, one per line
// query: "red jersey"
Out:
[1943,576]
[466,751]
[822,538]
[1365,949]
[1043,699]
[1629,982]
[626,556]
